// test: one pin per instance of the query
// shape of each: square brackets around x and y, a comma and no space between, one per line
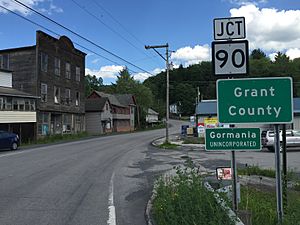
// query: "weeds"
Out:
[168,145]
[183,200]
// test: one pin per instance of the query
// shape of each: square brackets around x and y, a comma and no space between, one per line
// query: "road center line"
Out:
[111,208]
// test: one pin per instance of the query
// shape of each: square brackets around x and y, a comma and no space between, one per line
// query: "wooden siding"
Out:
[93,123]
[17,117]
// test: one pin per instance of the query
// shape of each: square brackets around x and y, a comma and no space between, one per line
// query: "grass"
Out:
[255,170]
[183,200]
[168,145]
[262,205]
[57,138]
[193,140]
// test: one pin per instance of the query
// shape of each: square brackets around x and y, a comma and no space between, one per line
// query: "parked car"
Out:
[9,140]
[292,139]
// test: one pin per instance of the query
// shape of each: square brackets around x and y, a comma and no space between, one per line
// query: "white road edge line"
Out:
[111,208]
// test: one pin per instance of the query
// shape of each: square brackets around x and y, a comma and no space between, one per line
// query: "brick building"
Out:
[54,70]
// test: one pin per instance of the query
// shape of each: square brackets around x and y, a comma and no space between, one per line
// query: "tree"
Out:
[92,83]
[257,54]
[125,84]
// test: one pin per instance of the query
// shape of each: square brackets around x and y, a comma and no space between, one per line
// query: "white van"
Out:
[292,139]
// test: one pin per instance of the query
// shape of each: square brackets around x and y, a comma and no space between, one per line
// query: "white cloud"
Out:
[270,29]
[247,2]
[105,71]
[48,6]
[293,53]
[272,56]
[188,55]
[143,76]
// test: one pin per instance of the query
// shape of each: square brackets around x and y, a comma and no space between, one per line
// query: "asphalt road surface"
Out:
[100,181]
[96,181]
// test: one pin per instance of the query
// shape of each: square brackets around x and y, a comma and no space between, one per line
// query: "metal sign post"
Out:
[230,58]
[278,175]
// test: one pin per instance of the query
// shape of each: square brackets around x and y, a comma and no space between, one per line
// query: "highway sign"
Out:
[229,28]
[232,139]
[255,100]
[230,57]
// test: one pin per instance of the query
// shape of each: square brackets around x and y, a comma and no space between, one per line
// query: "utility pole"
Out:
[167,91]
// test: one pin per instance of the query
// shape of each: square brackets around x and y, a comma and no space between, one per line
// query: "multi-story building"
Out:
[54,70]
[17,109]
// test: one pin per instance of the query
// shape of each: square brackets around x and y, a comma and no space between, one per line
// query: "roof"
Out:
[210,107]
[11,92]
[152,112]
[125,99]
[207,108]
[95,104]
[296,103]
[112,99]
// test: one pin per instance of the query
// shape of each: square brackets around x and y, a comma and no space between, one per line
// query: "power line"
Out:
[80,36]
[120,24]
[58,35]
[108,27]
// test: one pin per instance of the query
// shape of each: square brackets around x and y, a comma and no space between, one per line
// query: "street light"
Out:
[167,91]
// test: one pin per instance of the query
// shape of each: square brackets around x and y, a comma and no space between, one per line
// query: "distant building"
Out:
[123,115]
[98,114]
[17,109]
[54,70]
[175,109]
[152,116]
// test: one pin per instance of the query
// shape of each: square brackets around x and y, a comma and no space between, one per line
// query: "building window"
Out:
[21,104]
[57,66]
[77,98]
[43,123]
[7,103]
[68,70]
[67,121]
[68,96]
[43,92]
[56,95]
[77,73]
[32,105]
[44,62]
[4,61]
[106,105]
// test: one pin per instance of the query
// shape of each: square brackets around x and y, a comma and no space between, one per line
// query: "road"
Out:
[99,181]
[96,181]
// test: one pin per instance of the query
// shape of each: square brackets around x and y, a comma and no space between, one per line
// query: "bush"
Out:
[183,200]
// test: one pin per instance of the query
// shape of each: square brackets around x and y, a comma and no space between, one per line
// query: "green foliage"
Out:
[168,145]
[183,200]
[58,137]
[126,84]
[92,83]
[262,205]
[193,140]
[255,170]
[184,81]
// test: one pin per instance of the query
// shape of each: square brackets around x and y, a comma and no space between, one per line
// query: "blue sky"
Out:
[124,27]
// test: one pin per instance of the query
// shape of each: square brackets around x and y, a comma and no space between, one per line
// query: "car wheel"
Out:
[271,149]
[14,146]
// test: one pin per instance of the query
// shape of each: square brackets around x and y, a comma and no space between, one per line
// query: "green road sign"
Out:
[232,139]
[255,100]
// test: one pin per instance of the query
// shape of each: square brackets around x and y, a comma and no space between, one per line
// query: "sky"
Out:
[123,28]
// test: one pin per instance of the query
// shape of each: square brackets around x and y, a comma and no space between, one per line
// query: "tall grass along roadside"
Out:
[183,200]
